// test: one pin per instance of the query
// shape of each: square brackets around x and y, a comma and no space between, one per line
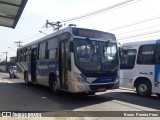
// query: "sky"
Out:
[138,20]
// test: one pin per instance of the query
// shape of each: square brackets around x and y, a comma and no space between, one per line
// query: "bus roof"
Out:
[138,43]
[67,29]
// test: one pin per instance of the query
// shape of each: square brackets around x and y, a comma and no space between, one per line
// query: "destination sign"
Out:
[92,34]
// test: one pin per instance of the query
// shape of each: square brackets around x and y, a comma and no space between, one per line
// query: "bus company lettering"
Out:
[45,67]
[52,66]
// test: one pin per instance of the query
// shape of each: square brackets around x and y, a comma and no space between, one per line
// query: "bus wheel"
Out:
[143,88]
[91,93]
[55,87]
[158,94]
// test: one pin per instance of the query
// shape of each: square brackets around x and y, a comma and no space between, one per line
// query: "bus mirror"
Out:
[71,46]
[107,43]
[120,49]
[121,52]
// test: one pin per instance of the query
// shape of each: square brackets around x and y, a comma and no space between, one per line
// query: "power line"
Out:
[6,55]
[139,29]
[137,35]
[153,36]
[98,11]
[142,38]
[86,15]
[36,34]
[135,23]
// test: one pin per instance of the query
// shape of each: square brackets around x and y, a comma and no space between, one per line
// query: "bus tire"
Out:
[26,79]
[143,88]
[158,94]
[91,93]
[54,86]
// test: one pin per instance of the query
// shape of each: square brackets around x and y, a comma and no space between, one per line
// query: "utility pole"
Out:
[56,25]
[6,55]
[19,43]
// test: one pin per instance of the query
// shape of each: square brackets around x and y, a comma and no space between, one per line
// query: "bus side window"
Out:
[146,54]
[42,49]
[52,49]
[128,59]
[52,53]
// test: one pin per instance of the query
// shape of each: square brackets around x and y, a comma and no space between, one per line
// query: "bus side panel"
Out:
[144,71]
[44,68]
[128,77]
[156,85]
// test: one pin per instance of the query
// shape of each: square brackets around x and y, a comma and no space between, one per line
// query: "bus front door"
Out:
[33,64]
[63,68]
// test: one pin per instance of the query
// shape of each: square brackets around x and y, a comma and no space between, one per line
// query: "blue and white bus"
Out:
[72,59]
[140,67]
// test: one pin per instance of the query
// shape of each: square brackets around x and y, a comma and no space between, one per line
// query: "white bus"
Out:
[140,67]
[72,59]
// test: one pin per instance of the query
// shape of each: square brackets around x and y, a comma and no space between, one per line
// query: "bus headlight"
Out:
[78,77]
[118,77]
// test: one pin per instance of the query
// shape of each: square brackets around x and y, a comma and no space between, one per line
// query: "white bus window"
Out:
[128,59]
[146,54]
[42,48]
[52,53]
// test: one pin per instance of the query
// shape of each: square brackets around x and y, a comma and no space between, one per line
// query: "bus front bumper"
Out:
[77,87]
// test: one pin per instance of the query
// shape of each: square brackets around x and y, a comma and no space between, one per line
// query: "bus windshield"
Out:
[92,55]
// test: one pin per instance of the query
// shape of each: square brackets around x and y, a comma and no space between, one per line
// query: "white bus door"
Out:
[127,67]
[63,64]
[33,64]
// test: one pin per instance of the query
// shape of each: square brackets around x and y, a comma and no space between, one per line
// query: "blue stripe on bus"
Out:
[45,67]
[157,70]
[99,79]
[105,79]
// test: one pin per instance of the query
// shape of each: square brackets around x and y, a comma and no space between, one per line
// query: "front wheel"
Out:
[91,93]
[143,88]
[158,94]
[54,86]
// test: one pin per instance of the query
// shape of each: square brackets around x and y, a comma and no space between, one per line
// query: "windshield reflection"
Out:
[93,55]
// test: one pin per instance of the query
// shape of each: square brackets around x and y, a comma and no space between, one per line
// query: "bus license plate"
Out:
[101,89]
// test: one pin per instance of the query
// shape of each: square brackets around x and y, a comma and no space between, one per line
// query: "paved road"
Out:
[16,96]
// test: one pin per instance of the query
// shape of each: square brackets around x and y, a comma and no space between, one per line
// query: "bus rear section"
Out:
[140,68]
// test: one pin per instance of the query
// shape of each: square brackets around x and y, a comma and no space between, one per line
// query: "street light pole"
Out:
[12,49]
[6,55]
